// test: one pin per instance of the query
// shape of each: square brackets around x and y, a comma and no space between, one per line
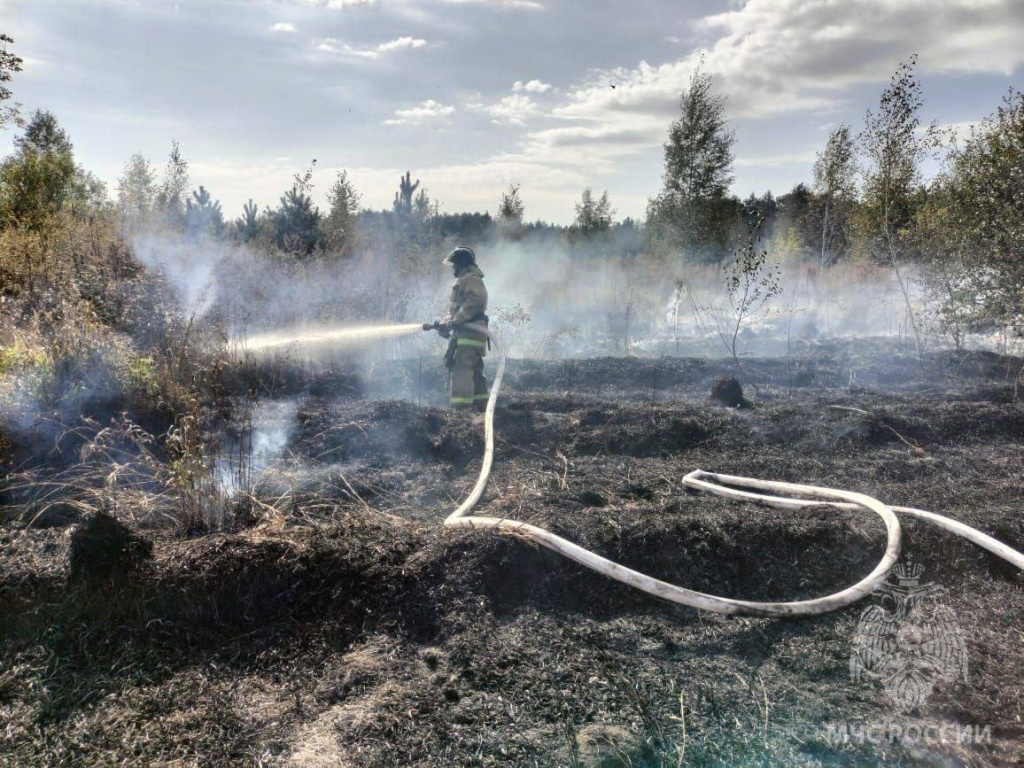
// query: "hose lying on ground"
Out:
[796,497]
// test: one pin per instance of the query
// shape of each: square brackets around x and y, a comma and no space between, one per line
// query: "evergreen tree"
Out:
[296,222]
[40,177]
[403,197]
[795,233]
[203,214]
[44,134]
[170,197]
[247,227]
[510,213]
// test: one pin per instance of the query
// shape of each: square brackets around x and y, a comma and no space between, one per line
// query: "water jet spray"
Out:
[339,336]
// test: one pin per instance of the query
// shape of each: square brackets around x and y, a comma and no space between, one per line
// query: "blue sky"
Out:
[471,95]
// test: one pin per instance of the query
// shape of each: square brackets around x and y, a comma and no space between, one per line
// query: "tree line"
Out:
[867,199]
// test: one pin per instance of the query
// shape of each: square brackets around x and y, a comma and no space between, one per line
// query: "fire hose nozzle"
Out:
[438,326]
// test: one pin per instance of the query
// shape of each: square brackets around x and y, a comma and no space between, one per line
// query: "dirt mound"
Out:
[104,549]
[728,393]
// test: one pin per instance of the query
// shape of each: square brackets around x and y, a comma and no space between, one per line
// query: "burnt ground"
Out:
[350,629]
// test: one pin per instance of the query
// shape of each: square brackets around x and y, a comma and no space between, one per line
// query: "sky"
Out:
[474,95]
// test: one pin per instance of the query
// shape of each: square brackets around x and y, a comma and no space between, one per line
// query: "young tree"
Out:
[170,196]
[795,232]
[510,213]
[763,209]
[203,214]
[248,225]
[340,223]
[423,208]
[9,65]
[835,184]
[44,134]
[751,282]
[950,277]
[296,221]
[40,177]
[593,217]
[894,149]
[691,213]
[976,246]
[403,197]
[136,192]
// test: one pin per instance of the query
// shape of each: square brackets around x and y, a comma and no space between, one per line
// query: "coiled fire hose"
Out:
[795,496]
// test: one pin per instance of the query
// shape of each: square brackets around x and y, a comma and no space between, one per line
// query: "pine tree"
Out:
[40,177]
[296,222]
[510,213]
[203,214]
[423,208]
[44,134]
[403,197]
[247,226]
[170,197]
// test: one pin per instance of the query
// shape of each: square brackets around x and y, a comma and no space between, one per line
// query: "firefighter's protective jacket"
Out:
[468,303]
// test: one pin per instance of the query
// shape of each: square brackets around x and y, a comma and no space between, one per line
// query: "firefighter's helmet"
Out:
[461,255]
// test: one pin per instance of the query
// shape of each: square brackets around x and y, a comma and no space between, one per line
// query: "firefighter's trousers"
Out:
[468,383]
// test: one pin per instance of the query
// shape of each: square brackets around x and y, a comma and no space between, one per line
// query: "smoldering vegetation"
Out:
[337,601]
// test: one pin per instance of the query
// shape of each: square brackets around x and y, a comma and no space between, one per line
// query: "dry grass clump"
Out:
[106,388]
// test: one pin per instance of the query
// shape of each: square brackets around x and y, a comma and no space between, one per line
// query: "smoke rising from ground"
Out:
[546,299]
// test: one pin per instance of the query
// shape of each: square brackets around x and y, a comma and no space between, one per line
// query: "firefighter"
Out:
[466,347]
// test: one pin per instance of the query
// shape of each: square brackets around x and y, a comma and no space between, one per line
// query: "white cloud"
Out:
[282,26]
[774,57]
[336,4]
[774,161]
[958,132]
[530,5]
[515,109]
[401,42]
[820,41]
[428,111]
[331,45]
[533,86]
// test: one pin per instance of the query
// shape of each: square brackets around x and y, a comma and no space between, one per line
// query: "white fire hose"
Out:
[796,496]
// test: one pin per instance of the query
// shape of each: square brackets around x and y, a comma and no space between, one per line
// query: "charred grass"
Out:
[349,628]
